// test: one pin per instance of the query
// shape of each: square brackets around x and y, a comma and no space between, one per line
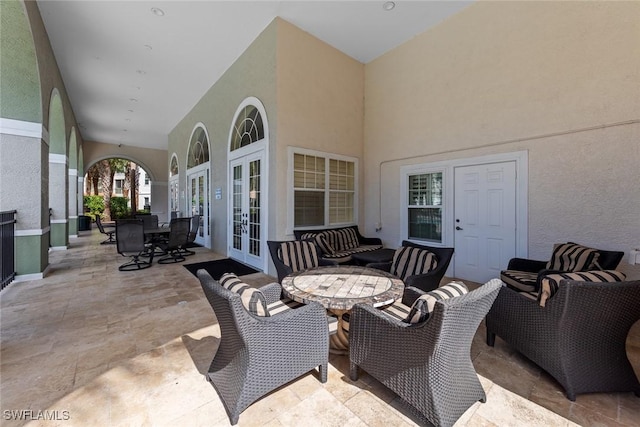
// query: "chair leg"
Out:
[491,338]
[353,371]
[323,372]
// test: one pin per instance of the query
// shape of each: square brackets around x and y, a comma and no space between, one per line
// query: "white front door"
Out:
[484,220]
[199,197]
[246,216]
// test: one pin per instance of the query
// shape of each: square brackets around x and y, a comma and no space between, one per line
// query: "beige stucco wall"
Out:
[252,74]
[558,79]
[320,106]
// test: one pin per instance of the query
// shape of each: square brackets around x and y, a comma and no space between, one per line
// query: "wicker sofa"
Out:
[339,244]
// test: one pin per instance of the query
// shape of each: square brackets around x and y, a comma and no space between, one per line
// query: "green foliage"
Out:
[119,208]
[94,205]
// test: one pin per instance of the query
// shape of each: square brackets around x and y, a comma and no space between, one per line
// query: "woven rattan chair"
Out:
[256,354]
[578,337]
[177,240]
[427,364]
[131,243]
[107,230]
[295,255]
[426,281]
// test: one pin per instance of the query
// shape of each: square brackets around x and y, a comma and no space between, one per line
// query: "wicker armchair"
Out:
[427,364]
[259,354]
[578,337]
[425,281]
[295,255]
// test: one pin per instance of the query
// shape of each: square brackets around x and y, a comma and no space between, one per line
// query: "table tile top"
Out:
[341,287]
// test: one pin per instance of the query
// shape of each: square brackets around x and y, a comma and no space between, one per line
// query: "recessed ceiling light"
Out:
[131,111]
[133,100]
[388,5]
[148,46]
[127,120]
[141,72]
[157,11]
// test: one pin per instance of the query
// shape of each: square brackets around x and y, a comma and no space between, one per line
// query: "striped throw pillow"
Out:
[572,257]
[424,305]
[549,284]
[252,299]
[324,242]
[344,239]
[409,261]
[299,255]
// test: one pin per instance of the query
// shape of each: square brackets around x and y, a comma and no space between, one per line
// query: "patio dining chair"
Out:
[178,235]
[131,243]
[295,255]
[193,232]
[107,230]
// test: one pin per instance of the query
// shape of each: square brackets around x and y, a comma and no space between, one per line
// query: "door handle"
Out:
[458,227]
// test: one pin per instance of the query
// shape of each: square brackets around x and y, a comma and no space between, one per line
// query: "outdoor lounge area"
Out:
[96,346]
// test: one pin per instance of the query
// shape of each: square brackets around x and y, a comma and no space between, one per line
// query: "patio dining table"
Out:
[339,288]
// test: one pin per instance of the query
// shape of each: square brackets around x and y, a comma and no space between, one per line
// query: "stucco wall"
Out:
[320,106]
[252,74]
[559,79]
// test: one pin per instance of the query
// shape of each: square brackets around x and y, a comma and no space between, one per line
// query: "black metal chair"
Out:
[427,364]
[256,355]
[406,265]
[195,225]
[295,255]
[107,230]
[178,235]
[131,243]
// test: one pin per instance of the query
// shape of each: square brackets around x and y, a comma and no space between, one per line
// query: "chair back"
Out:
[99,224]
[195,224]
[149,221]
[609,260]
[129,236]
[292,256]
[227,307]
[411,259]
[179,232]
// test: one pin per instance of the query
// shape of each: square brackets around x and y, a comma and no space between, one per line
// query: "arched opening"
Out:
[58,175]
[174,184]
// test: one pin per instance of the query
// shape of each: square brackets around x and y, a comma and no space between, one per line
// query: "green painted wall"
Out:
[32,254]
[19,77]
[59,235]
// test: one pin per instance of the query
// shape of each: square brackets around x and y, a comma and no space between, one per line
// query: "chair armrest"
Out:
[272,292]
[410,295]
[369,240]
[326,262]
[385,266]
[529,265]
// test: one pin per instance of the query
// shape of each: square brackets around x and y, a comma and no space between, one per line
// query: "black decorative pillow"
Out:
[550,283]
[252,299]
[424,305]
[572,257]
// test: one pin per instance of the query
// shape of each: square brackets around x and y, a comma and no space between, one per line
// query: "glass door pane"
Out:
[237,207]
[254,208]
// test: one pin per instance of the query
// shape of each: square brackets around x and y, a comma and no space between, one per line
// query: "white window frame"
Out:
[444,206]
[291,192]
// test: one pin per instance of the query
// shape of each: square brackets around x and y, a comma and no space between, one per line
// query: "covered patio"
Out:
[90,345]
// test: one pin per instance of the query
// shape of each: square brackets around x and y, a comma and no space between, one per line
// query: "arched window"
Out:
[173,170]
[248,128]
[198,148]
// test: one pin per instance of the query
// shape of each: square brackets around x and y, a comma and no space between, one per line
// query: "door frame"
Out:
[447,167]
[205,220]
[256,154]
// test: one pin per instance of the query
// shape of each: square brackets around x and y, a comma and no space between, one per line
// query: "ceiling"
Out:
[132,75]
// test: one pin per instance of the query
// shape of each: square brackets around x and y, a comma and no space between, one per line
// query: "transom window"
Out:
[173,170]
[324,189]
[424,207]
[248,128]
[198,148]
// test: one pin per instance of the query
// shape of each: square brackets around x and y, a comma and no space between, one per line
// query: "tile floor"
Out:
[92,346]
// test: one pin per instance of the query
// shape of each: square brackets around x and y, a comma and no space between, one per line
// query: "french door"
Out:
[198,183]
[484,220]
[246,192]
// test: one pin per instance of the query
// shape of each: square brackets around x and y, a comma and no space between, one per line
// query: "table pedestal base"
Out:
[339,342]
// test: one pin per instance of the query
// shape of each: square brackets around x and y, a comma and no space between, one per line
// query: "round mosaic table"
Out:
[339,288]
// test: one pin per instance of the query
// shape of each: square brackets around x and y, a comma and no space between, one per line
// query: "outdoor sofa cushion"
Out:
[252,299]
[550,283]
[571,257]
[409,261]
[424,305]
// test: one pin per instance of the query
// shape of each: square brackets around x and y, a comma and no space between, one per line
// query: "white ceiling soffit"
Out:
[132,75]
